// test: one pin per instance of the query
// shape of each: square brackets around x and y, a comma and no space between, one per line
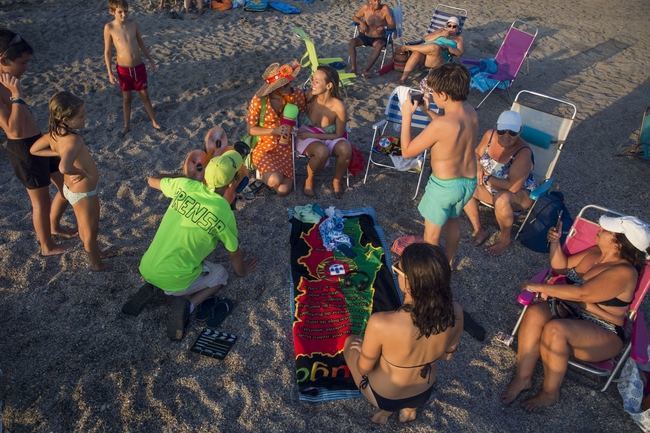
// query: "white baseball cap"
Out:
[453,20]
[635,230]
[510,120]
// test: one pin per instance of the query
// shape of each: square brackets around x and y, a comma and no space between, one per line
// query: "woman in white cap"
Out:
[584,313]
[504,179]
[437,49]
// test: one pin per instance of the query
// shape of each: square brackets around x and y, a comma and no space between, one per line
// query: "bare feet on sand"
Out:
[309,188]
[381,417]
[124,131]
[337,187]
[407,414]
[514,388]
[54,250]
[540,401]
[64,233]
[480,237]
[156,126]
[500,246]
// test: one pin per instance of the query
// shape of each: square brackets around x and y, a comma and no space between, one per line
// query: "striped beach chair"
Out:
[442,13]
[393,117]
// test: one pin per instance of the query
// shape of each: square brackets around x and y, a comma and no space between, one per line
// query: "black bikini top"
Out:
[573,278]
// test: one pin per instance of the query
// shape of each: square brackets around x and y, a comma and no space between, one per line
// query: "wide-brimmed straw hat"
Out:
[276,76]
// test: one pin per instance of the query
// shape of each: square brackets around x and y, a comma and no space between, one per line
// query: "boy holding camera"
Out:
[451,139]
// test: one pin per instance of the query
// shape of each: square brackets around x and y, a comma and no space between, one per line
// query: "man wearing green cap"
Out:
[196,220]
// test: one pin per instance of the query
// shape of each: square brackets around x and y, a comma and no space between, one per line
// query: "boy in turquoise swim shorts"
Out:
[451,139]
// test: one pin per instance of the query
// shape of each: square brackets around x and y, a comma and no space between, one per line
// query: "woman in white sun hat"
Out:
[583,315]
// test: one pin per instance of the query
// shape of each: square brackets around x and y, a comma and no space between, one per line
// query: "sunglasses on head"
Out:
[504,131]
[14,41]
[397,269]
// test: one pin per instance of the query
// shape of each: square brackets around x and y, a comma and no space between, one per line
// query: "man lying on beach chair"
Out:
[443,19]
[196,220]
[437,48]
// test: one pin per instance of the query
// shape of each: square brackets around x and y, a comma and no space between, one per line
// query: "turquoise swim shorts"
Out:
[445,198]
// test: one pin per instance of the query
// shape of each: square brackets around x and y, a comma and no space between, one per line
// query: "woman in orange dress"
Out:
[272,159]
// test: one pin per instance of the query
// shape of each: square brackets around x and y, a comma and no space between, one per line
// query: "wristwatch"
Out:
[17,101]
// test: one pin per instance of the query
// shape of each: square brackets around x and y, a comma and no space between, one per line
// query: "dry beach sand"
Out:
[72,362]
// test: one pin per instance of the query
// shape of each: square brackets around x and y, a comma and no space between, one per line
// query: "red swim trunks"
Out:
[132,78]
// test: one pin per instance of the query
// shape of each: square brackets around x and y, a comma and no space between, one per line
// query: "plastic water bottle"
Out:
[289,116]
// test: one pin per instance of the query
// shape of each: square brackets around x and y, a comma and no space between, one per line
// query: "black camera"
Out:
[417,97]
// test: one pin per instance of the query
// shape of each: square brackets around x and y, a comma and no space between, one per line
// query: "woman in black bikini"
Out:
[394,364]
[584,316]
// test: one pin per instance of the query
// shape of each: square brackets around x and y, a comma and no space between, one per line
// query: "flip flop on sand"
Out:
[204,310]
[221,309]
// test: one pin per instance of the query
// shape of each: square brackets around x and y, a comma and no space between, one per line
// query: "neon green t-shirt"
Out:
[195,220]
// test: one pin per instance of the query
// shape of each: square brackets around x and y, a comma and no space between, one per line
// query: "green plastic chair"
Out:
[310,59]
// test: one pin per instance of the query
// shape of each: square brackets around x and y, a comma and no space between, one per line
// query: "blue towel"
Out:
[256,5]
[283,7]
[482,82]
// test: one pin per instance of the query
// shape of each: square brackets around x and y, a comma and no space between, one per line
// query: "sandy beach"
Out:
[72,362]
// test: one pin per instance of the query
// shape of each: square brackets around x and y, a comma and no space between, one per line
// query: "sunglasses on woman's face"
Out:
[504,131]
[452,26]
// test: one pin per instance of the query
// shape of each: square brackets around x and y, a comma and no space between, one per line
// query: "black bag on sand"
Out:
[544,216]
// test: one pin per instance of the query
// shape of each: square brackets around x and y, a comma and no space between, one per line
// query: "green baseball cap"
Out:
[222,170]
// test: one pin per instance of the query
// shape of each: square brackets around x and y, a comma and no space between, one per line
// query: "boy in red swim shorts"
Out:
[131,72]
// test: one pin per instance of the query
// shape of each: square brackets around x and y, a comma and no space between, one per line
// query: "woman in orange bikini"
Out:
[394,363]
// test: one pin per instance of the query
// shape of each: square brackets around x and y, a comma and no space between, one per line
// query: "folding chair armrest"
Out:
[542,189]
[469,61]
[526,297]
[379,124]
[640,339]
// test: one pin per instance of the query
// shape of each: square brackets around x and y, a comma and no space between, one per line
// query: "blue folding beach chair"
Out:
[442,13]
[393,117]
[391,34]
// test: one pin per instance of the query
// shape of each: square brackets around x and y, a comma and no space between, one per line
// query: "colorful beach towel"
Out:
[333,294]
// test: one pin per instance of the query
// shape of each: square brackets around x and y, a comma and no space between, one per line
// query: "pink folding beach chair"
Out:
[582,236]
[512,53]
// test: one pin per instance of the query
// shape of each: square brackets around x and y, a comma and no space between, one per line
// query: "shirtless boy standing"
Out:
[19,125]
[131,72]
[373,19]
[452,139]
